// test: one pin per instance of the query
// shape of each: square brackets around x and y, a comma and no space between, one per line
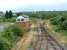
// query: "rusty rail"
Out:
[50,40]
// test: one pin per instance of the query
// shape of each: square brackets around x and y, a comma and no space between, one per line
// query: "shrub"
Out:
[13,32]
[64,25]
[4,44]
[10,37]
[58,20]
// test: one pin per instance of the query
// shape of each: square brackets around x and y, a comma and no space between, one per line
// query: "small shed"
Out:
[23,21]
[23,18]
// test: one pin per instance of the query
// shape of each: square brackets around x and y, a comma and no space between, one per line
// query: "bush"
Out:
[9,37]
[54,21]
[4,44]
[13,32]
[64,25]
[58,20]
[17,31]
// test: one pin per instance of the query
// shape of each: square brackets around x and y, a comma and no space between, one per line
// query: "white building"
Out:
[23,18]
[23,22]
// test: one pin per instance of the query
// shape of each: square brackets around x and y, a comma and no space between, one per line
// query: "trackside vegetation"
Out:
[9,37]
[11,34]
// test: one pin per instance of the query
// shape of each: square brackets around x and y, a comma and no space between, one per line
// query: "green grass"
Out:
[57,28]
[8,20]
[64,32]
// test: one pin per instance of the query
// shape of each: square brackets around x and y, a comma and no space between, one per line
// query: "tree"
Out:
[10,14]
[6,14]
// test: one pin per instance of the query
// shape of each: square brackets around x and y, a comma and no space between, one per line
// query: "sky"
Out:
[33,5]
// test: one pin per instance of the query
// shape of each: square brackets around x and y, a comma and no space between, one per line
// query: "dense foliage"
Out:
[9,37]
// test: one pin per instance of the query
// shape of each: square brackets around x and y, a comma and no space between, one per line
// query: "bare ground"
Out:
[23,43]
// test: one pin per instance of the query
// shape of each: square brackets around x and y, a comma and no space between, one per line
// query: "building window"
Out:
[18,19]
[22,19]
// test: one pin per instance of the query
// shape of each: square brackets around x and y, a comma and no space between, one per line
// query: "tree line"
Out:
[8,14]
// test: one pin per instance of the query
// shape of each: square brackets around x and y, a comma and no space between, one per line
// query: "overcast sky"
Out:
[32,5]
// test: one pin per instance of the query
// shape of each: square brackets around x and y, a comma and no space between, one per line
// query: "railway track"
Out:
[54,43]
[44,41]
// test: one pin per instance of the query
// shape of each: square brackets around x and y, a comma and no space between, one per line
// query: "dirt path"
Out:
[24,42]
